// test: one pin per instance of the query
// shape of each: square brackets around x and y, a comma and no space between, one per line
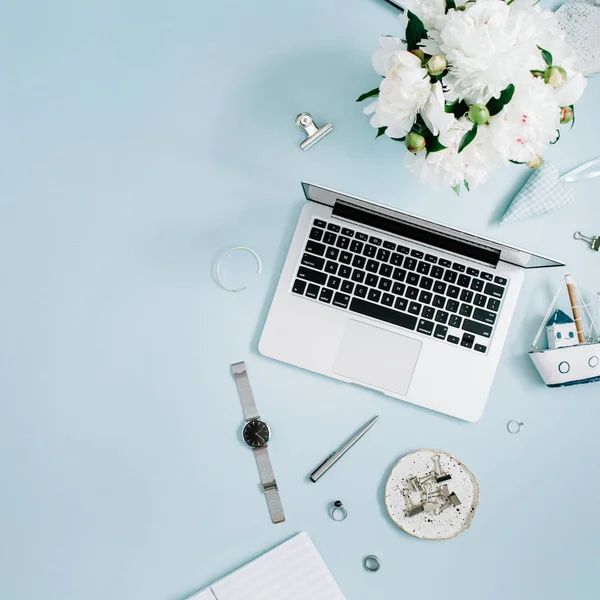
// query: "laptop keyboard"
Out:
[410,288]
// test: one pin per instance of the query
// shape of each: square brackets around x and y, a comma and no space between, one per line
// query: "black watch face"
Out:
[256,433]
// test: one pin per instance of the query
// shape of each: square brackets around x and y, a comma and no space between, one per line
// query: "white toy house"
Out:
[561,331]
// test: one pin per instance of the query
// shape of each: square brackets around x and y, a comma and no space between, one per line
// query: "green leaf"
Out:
[573,121]
[448,108]
[557,137]
[380,132]
[456,189]
[450,4]
[415,31]
[515,162]
[373,92]
[401,139]
[466,184]
[467,138]
[537,73]
[546,56]
[495,105]
[458,108]
[433,144]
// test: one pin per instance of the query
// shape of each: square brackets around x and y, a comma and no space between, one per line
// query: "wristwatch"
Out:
[256,434]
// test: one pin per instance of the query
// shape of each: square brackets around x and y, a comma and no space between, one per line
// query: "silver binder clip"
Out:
[593,241]
[314,133]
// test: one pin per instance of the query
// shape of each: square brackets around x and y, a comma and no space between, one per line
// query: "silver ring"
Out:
[372,563]
[514,426]
[338,512]
[218,272]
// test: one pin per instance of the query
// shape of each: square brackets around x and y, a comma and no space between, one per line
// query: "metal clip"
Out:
[594,242]
[314,133]
[411,509]
[440,475]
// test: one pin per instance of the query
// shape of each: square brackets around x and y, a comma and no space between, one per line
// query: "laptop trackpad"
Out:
[377,357]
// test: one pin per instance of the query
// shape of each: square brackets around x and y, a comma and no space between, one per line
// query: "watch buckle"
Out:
[238,368]
[270,486]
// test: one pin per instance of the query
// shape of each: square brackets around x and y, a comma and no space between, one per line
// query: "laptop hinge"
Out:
[417,233]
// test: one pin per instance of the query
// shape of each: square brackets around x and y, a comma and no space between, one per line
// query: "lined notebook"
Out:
[292,571]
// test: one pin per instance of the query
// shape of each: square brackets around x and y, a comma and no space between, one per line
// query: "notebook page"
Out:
[292,571]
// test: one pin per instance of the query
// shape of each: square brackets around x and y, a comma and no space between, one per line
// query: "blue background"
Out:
[138,141]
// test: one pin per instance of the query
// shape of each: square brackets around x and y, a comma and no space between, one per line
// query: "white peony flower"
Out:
[486,45]
[404,91]
[449,168]
[528,123]
[385,59]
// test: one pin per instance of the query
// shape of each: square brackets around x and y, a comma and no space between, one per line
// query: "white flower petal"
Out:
[430,46]
[400,128]
[431,12]
[434,114]
[385,58]
[571,91]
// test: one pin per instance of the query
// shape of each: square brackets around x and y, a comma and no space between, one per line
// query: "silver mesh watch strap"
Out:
[244,391]
[267,479]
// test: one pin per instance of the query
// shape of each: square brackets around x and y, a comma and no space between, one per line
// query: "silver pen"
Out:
[337,454]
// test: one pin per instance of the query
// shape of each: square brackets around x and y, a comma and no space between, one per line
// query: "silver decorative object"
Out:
[372,563]
[514,426]
[314,133]
[218,267]
[338,512]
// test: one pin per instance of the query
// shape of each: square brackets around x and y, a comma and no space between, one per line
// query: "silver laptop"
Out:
[397,303]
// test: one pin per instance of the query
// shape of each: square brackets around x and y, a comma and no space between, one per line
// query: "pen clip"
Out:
[330,456]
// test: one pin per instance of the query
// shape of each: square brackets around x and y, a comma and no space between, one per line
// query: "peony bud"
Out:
[535,162]
[566,114]
[419,54]
[555,76]
[436,65]
[479,114]
[415,142]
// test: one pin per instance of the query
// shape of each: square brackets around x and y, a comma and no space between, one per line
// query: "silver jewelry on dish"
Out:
[338,512]
[514,426]
[218,268]
[313,133]
[372,563]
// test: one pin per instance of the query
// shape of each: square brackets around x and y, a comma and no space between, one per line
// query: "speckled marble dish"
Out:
[425,525]
[580,20]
